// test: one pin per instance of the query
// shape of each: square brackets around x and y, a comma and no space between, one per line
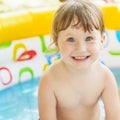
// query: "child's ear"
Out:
[57,47]
[103,38]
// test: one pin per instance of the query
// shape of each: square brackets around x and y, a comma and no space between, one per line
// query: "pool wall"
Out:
[25,37]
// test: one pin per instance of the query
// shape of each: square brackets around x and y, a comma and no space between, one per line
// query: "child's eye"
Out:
[70,39]
[89,38]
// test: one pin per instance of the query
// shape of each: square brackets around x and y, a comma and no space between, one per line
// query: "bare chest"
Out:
[82,94]
[77,103]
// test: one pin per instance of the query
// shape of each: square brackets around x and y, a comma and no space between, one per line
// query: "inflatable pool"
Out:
[24,39]
[19,102]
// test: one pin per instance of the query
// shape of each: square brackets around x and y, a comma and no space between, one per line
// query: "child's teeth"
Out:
[79,57]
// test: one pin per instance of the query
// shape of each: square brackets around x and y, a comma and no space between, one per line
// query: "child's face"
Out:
[78,48]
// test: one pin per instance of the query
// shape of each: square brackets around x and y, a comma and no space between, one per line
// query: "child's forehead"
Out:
[75,23]
[79,24]
[79,28]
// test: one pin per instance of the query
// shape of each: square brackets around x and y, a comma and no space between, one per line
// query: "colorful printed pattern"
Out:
[25,59]
[21,60]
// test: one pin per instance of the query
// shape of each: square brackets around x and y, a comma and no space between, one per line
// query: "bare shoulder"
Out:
[110,95]
[46,94]
[110,83]
[107,72]
[46,84]
[108,78]
[50,76]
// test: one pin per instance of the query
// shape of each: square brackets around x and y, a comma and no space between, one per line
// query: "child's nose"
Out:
[81,46]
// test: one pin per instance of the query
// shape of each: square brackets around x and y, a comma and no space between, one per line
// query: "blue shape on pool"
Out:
[118,35]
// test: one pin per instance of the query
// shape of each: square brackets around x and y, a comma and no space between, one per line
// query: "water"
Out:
[19,102]
[116,72]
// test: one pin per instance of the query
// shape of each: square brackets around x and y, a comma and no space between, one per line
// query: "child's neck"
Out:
[79,71]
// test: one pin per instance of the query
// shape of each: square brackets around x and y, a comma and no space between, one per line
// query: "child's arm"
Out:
[110,98]
[46,100]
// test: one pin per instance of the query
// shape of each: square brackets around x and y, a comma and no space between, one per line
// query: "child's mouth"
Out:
[80,58]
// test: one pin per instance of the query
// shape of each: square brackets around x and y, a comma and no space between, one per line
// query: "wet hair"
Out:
[88,15]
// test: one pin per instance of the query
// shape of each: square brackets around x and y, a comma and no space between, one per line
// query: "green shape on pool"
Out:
[114,52]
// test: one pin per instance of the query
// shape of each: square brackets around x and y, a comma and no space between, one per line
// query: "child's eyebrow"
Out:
[69,34]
